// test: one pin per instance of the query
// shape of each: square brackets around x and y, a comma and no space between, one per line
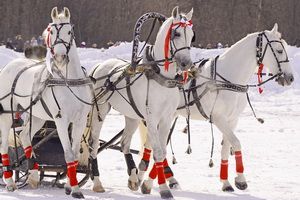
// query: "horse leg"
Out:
[228,135]
[95,134]
[130,127]
[158,133]
[5,124]
[25,137]
[72,185]
[224,166]
[146,149]
[144,163]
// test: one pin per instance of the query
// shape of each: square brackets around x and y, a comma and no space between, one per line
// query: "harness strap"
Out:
[198,98]
[46,108]
[130,97]
[58,115]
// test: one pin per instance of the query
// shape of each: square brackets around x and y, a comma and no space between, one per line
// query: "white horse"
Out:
[155,103]
[27,84]
[225,98]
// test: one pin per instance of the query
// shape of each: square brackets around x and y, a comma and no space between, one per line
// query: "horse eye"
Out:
[69,32]
[280,51]
[51,32]
[177,34]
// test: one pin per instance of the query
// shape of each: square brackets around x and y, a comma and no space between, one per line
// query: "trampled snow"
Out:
[270,150]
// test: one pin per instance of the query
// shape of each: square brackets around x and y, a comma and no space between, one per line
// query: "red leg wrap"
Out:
[153,172]
[224,170]
[28,151]
[5,162]
[146,155]
[35,166]
[160,173]
[72,173]
[167,170]
[239,162]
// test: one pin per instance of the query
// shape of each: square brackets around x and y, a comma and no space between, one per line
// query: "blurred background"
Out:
[102,23]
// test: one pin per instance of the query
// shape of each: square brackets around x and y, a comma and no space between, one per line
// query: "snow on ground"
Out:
[271,150]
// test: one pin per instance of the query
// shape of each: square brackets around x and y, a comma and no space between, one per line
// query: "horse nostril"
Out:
[183,64]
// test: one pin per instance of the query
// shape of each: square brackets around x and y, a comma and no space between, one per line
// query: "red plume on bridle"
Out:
[259,78]
[182,23]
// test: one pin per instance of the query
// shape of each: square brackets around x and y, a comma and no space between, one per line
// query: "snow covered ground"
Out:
[271,150]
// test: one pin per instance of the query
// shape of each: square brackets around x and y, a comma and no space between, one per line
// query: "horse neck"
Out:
[73,69]
[158,48]
[239,62]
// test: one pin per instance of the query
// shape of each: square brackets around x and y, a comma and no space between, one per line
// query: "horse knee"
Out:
[237,146]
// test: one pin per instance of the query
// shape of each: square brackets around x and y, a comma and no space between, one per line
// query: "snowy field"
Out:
[271,150]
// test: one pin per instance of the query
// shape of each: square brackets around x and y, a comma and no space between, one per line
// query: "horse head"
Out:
[175,35]
[60,36]
[271,51]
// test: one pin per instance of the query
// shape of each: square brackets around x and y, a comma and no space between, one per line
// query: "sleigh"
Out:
[50,157]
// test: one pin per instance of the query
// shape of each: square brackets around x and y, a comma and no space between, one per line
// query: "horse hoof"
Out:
[145,189]
[228,188]
[166,194]
[77,195]
[99,189]
[11,188]
[134,186]
[241,185]
[68,190]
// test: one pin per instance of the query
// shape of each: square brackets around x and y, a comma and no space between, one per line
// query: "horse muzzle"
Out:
[285,79]
[60,59]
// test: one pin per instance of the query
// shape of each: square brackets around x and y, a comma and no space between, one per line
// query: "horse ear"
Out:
[275,28]
[67,12]
[175,12]
[190,14]
[54,13]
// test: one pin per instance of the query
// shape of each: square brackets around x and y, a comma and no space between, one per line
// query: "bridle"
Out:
[58,40]
[261,52]
[169,41]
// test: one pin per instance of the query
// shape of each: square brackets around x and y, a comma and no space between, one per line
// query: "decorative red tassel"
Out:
[239,162]
[185,76]
[48,42]
[146,154]
[260,69]
[224,170]
[72,173]
[160,173]
[5,162]
[35,166]
[167,48]
[28,151]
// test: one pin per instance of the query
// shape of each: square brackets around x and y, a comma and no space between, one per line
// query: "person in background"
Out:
[19,44]
[208,46]
[110,43]
[33,42]
[26,44]
[219,45]
[94,45]
[9,44]
[40,41]
[82,44]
